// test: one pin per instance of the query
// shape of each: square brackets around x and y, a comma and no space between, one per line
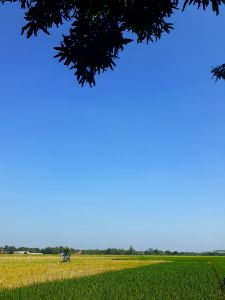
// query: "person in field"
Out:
[65,255]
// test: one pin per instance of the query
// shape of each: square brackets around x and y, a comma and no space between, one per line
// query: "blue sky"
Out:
[138,160]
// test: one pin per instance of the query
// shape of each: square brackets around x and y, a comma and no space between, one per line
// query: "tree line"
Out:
[109,251]
[48,250]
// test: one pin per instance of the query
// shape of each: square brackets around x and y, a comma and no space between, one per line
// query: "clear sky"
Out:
[138,160]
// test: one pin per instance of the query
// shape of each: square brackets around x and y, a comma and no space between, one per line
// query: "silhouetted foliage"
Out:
[219,72]
[204,3]
[99,27]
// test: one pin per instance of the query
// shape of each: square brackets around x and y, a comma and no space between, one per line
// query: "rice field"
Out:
[22,270]
[112,277]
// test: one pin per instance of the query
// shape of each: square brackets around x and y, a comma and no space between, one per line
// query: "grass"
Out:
[133,278]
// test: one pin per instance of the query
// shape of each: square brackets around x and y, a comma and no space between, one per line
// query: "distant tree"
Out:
[149,251]
[66,251]
[98,28]
[131,250]
[157,252]
[61,249]
[9,249]
[50,250]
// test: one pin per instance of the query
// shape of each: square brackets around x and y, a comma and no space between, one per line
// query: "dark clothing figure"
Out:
[65,257]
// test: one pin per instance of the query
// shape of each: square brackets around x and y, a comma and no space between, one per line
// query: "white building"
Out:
[21,252]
